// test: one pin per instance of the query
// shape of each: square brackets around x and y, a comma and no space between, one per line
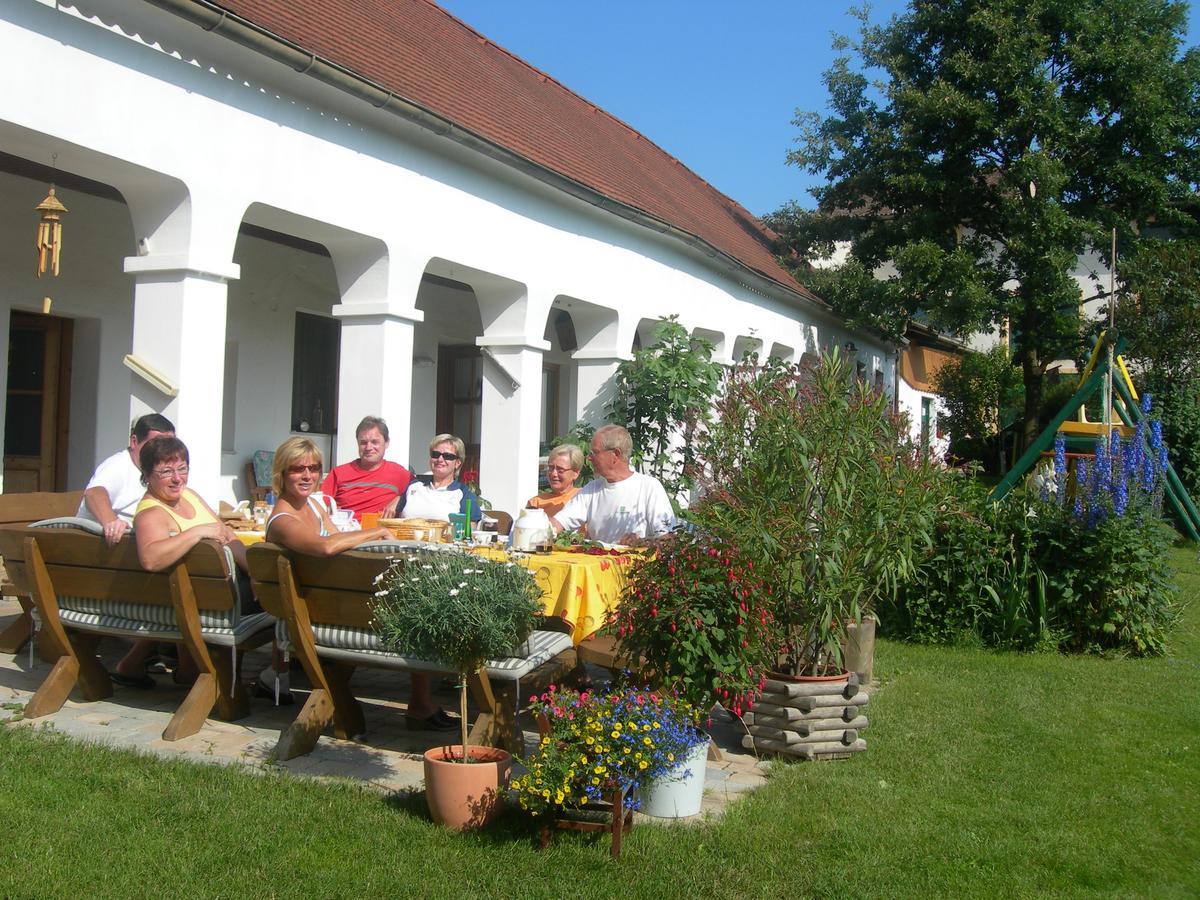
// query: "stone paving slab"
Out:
[389,761]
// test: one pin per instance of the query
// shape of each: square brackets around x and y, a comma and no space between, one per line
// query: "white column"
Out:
[595,384]
[375,373]
[179,310]
[512,408]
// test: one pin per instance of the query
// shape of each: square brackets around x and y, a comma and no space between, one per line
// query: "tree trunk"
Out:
[1033,371]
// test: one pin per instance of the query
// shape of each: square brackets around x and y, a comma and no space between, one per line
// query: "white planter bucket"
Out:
[680,795]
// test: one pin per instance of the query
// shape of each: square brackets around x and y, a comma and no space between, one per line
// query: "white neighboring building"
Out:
[296,219]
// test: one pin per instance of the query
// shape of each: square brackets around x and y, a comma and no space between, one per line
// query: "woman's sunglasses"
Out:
[300,469]
[439,454]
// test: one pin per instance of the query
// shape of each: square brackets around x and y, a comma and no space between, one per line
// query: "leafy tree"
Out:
[1159,310]
[1159,314]
[662,395]
[976,389]
[980,146]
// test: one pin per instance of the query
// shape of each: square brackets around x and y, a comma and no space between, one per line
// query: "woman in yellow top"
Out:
[170,520]
[563,466]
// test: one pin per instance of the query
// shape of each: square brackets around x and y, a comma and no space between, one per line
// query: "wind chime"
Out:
[49,239]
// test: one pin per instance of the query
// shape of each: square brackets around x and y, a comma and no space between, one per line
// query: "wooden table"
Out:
[578,588]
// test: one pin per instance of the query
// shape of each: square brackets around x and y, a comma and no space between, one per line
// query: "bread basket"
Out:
[431,531]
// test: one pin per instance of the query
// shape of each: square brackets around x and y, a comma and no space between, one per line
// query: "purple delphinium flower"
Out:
[1101,469]
[1081,478]
[1147,474]
[1120,494]
[1146,404]
[1137,446]
[1060,469]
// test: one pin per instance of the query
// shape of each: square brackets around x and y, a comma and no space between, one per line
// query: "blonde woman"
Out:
[440,493]
[299,522]
[563,466]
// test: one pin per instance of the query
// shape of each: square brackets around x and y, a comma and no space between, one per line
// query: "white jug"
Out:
[531,529]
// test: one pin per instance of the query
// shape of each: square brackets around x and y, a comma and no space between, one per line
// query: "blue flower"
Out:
[1060,468]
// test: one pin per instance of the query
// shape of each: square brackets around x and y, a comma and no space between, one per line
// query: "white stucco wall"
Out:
[206,135]
[910,401]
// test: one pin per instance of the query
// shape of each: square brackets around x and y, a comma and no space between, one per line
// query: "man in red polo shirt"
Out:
[369,483]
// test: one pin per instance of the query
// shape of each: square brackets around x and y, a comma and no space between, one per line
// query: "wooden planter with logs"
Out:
[810,719]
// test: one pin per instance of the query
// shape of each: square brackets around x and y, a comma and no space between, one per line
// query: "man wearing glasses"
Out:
[620,506]
[116,488]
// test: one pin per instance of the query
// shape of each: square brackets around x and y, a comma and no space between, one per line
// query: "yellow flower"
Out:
[656,725]
[558,797]
[647,742]
[599,770]
[546,793]
[616,734]
[590,739]
[595,780]
[643,764]
[646,727]
[670,757]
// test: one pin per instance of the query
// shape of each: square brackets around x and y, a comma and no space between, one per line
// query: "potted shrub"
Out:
[460,610]
[596,745]
[808,472]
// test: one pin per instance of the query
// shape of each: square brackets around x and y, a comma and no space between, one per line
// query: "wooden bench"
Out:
[21,509]
[83,589]
[326,606]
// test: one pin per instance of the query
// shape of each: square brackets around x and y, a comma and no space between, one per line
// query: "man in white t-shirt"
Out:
[620,506]
[112,496]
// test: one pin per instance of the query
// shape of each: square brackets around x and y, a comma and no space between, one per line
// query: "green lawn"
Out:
[987,774]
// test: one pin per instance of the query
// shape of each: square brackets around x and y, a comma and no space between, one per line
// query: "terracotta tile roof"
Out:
[419,51]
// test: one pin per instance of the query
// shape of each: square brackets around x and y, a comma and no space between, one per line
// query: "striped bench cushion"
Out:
[108,623]
[360,645]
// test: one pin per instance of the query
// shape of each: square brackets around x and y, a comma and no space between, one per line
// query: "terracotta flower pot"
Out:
[465,796]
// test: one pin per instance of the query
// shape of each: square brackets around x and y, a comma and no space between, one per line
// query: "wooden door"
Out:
[37,403]
[460,397]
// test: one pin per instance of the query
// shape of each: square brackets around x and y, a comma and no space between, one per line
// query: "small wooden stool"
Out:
[621,824]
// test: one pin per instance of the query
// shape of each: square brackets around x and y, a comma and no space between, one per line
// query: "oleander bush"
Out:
[807,472]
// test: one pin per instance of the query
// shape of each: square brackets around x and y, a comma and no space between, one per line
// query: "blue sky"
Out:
[715,83]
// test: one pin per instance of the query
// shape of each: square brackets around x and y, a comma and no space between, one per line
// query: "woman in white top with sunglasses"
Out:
[437,495]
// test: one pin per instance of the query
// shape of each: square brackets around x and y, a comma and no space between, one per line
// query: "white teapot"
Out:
[531,529]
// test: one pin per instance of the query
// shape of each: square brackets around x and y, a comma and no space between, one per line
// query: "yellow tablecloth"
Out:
[578,588]
[250,537]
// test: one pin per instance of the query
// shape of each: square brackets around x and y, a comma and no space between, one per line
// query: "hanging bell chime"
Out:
[49,236]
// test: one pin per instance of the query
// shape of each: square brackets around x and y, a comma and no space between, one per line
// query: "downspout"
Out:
[220,21]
